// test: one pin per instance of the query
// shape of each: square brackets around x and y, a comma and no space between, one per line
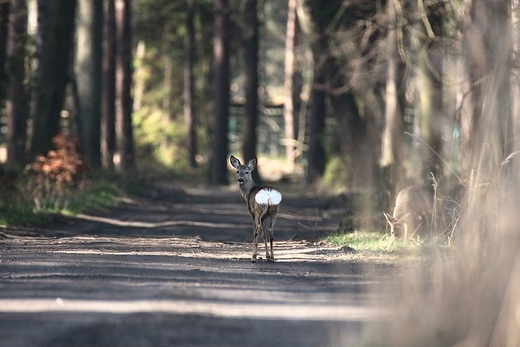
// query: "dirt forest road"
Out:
[175,271]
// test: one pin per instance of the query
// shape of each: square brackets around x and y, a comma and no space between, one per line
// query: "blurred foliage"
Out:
[160,131]
[160,27]
[338,175]
[160,138]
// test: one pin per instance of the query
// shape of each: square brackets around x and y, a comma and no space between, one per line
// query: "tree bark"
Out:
[54,45]
[316,149]
[124,128]
[218,169]
[289,87]
[89,59]
[5,8]
[189,61]
[430,103]
[108,115]
[251,82]
[392,137]
[17,103]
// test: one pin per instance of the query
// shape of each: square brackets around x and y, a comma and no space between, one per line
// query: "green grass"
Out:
[21,215]
[366,241]
[376,245]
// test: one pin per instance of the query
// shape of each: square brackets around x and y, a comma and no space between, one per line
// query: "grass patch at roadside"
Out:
[376,246]
[21,210]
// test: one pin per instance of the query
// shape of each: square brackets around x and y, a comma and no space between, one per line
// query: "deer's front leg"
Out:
[255,240]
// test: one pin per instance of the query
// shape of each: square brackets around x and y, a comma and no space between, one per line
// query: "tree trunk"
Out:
[430,106]
[289,87]
[89,57]
[5,8]
[17,104]
[124,128]
[54,45]
[108,115]
[218,169]
[318,13]
[251,82]
[189,110]
[392,138]
[316,149]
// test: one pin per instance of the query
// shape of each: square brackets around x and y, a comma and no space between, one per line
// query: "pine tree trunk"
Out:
[251,82]
[189,110]
[218,169]
[54,45]
[392,137]
[316,150]
[89,68]
[430,102]
[108,115]
[124,128]
[5,8]
[17,104]
[289,87]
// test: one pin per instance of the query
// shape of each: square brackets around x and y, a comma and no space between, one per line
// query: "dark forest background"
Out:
[333,96]
[365,95]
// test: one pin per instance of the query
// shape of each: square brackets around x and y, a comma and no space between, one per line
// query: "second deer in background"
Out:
[412,213]
[262,203]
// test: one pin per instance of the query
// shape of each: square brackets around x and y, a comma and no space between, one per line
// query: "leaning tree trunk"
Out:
[108,114]
[54,45]
[17,103]
[89,68]
[123,88]
[218,169]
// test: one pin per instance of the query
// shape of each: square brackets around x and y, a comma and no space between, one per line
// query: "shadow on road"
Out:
[159,273]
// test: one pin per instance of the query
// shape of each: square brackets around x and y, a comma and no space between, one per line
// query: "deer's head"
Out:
[243,171]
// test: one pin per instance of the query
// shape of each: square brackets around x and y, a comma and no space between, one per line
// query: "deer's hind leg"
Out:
[271,237]
[266,236]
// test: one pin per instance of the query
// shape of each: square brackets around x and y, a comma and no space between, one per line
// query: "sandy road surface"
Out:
[175,271]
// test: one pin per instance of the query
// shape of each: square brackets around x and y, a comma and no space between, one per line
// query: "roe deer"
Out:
[412,213]
[262,203]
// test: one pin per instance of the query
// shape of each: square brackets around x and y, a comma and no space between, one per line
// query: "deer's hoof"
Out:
[253,259]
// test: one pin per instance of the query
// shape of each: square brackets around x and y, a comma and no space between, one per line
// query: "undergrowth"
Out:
[57,183]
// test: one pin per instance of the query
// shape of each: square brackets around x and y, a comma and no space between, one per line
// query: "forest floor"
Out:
[175,270]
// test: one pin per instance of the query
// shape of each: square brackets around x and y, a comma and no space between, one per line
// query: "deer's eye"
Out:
[238,171]
[247,172]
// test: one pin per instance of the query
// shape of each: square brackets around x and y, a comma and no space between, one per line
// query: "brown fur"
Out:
[259,212]
[412,213]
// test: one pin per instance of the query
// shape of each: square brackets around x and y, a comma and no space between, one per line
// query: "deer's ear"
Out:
[391,220]
[234,162]
[252,164]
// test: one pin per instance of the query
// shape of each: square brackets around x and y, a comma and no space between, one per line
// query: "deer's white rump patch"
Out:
[268,196]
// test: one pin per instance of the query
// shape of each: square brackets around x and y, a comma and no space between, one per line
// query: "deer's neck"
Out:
[246,189]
